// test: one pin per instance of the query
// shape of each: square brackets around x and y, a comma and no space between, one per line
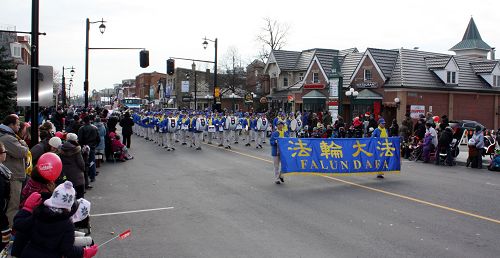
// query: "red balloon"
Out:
[49,166]
[436,119]
[59,135]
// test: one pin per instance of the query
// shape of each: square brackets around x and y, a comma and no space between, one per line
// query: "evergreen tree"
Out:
[8,89]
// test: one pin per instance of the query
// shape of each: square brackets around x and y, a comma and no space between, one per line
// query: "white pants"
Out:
[183,136]
[210,137]
[276,162]
[197,139]
[261,135]
[237,135]
[228,136]
[220,137]
[169,140]
[246,135]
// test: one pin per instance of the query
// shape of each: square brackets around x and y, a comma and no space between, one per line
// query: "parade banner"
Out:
[342,156]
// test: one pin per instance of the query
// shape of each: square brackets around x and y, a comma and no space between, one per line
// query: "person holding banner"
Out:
[279,133]
[380,132]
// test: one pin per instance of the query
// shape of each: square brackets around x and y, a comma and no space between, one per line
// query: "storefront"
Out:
[314,101]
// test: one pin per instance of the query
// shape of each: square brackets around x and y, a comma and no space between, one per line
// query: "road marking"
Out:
[384,192]
[127,212]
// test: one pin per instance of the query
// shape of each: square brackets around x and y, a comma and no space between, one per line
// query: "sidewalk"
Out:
[461,159]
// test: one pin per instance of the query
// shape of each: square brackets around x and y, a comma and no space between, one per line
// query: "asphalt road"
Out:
[221,203]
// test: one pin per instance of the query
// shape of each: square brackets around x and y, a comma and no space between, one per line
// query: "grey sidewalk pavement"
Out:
[461,159]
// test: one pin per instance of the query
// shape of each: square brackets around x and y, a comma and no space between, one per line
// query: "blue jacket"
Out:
[376,133]
[274,142]
[253,124]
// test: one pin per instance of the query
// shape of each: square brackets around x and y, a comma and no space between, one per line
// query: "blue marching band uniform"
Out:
[223,129]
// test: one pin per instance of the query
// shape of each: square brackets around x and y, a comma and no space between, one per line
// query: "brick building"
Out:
[147,85]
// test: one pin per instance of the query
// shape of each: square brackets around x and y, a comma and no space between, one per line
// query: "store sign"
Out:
[185,86]
[334,88]
[367,85]
[290,98]
[314,86]
[416,111]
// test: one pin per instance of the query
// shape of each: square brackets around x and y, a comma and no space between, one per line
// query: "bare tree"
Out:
[232,77]
[273,37]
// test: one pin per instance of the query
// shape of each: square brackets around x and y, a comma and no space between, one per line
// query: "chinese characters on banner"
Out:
[340,155]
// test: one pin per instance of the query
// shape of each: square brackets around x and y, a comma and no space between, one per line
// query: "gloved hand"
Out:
[91,251]
[32,202]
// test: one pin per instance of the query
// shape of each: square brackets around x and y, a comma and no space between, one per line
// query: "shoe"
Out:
[235,142]
[260,146]
[97,173]
[88,187]
[277,182]
[199,148]
[220,145]
[282,179]
[248,144]
[173,148]
[92,180]
[227,147]
[380,176]
[168,149]
[184,143]
[256,147]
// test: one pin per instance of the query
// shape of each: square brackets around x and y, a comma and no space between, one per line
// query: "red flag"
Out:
[125,234]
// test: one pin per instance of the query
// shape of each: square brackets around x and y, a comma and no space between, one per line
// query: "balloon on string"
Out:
[49,166]
[435,119]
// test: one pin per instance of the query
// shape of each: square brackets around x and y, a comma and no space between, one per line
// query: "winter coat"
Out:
[274,142]
[102,133]
[73,164]
[16,152]
[50,234]
[112,122]
[88,135]
[445,139]
[126,123]
[116,145]
[39,149]
[5,175]
[32,186]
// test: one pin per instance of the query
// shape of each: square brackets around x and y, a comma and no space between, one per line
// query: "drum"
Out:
[293,125]
[211,128]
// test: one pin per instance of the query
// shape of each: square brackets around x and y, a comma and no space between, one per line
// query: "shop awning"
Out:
[314,94]
[369,94]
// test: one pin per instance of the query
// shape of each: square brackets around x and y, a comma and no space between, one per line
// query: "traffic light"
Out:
[170,66]
[144,58]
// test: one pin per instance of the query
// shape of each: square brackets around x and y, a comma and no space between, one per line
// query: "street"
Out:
[224,203]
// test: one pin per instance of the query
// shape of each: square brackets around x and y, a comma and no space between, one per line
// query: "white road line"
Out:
[127,212]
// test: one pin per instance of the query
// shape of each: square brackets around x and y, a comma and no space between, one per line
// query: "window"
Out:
[368,75]
[16,50]
[236,106]
[301,76]
[315,77]
[285,82]
[451,77]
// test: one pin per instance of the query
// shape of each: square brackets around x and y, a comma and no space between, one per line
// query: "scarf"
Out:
[383,132]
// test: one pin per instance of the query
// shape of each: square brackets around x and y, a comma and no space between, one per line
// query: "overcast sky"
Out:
[176,28]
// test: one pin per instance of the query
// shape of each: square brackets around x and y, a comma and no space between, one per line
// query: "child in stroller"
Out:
[416,148]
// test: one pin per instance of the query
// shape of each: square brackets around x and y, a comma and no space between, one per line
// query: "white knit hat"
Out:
[62,197]
[71,137]
[83,210]
[55,142]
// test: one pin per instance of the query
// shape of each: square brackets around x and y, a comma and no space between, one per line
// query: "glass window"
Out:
[16,51]
[368,75]
[285,82]
[301,76]
[315,77]
[451,77]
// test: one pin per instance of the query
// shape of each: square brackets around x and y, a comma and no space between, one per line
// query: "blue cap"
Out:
[281,122]
[381,121]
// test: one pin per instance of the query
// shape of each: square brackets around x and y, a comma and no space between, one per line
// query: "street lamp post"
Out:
[195,86]
[102,28]
[205,44]
[63,90]
[351,94]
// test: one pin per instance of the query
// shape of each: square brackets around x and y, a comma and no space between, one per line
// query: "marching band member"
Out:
[219,128]
[246,129]
[156,129]
[239,127]
[162,131]
[279,133]
[253,128]
[184,124]
[262,127]
[211,128]
[293,125]
[229,128]
[199,128]
[171,128]
[192,125]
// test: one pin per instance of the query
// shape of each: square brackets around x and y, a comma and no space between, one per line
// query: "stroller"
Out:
[416,149]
